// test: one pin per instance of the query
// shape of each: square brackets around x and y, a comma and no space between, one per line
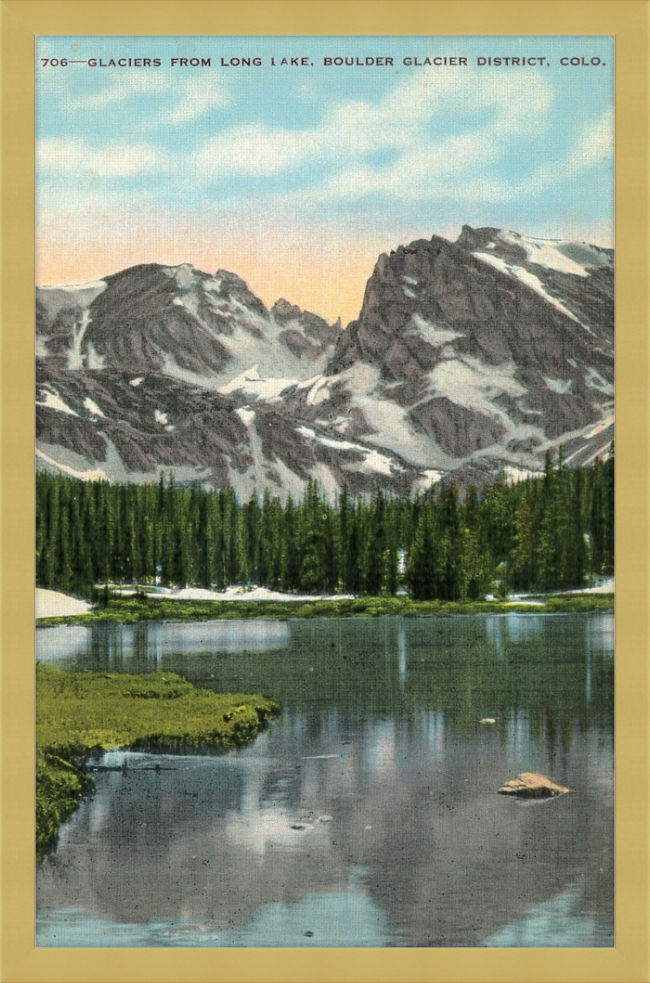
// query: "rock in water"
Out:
[530,785]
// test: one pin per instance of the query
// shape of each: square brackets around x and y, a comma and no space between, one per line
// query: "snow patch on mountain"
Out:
[252,383]
[245,415]
[184,275]
[94,361]
[565,256]
[95,287]
[595,380]
[602,453]
[513,473]
[532,281]
[318,392]
[431,477]
[433,334]
[473,384]
[599,428]
[94,474]
[377,463]
[339,445]
[373,462]
[560,386]
[55,299]
[54,402]
[308,383]
[388,423]
[92,406]
[75,358]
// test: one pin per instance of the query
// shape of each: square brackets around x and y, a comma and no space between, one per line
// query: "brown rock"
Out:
[530,785]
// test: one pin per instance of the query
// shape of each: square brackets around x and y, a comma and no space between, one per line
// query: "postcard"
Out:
[325,491]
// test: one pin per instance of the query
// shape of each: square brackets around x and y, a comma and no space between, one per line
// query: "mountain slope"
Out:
[180,322]
[473,353]
[467,358]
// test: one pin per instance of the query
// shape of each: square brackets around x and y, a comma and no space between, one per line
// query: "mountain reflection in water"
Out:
[367,814]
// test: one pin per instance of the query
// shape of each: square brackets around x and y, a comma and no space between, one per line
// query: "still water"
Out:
[368,813]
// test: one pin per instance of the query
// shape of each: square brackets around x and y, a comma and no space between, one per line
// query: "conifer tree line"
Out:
[542,533]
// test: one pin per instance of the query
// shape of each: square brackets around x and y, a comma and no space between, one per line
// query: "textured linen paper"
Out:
[325,418]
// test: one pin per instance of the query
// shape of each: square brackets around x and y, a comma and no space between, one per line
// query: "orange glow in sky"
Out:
[319,270]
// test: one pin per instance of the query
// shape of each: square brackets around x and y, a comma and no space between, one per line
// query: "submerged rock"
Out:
[530,785]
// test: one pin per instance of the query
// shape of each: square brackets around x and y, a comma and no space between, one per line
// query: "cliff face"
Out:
[492,342]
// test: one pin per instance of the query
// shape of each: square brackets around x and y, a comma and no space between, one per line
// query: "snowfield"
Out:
[54,604]
[234,594]
[525,276]
[54,402]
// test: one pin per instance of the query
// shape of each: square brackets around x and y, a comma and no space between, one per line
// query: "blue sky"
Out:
[297,177]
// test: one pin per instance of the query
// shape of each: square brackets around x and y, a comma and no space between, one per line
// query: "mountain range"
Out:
[468,359]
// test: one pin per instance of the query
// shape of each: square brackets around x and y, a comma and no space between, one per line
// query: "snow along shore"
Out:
[54,604]
[234,594]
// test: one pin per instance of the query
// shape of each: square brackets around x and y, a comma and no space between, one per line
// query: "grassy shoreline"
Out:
[129,610]
[78,714]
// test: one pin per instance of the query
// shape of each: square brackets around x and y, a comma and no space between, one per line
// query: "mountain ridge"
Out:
[468,359]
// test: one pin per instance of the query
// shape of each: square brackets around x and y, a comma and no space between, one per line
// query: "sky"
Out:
[297,176]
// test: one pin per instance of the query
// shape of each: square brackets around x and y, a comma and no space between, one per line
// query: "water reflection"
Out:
[600,633]
[346,918]
[556,924]
[513,628]
[147,644]
[367,814]
[469,668]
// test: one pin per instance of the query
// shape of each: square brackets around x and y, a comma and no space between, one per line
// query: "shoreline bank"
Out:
[129,610]
[154,711]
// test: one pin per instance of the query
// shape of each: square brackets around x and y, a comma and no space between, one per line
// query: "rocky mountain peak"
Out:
[307,323]
[284,311]
[467,357]
[231,286]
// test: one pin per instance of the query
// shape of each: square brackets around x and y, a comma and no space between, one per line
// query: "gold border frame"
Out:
[21,21]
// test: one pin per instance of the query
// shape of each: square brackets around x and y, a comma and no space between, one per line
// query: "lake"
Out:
[367,814]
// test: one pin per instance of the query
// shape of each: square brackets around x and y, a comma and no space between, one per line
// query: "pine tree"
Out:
[421,566]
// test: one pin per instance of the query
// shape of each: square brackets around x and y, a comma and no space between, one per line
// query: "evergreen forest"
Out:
[543,533]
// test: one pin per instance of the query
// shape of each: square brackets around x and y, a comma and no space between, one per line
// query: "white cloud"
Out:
[60,155]
[410,122]
[256,149]
[200,95]
[136,82]
[594,145]
[190,99]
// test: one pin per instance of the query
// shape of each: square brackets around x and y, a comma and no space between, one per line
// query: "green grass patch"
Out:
[81,713]
[128,610]
[577,603]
